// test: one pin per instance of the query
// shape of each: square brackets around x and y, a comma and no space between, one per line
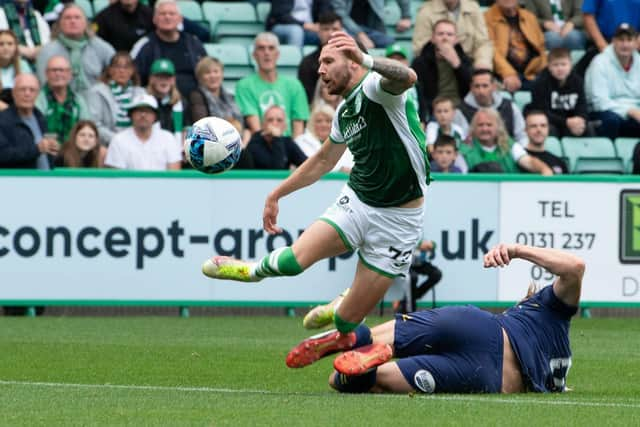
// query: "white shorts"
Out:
[385,237]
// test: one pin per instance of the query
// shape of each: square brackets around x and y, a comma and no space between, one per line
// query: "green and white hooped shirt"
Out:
[383,133]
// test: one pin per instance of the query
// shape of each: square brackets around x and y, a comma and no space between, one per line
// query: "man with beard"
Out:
[379,211]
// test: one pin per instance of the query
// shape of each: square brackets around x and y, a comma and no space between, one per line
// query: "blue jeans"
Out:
[612,125]
[294,34]
[575,39]
[378,38]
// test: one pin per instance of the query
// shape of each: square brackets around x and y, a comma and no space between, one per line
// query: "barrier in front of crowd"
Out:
[104,237]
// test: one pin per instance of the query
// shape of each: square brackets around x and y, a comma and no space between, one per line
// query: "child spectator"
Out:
[162,86]
[82,149]
[11,64]
[559,92]
[30,28]
[444,111]
[444,155]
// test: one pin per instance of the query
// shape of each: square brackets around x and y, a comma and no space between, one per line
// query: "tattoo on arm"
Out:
[396,77]
[392,70]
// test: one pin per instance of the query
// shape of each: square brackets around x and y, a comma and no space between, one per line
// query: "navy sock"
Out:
[363,335]
[355,383]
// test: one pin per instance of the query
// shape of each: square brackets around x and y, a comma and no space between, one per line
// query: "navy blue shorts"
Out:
[450,350]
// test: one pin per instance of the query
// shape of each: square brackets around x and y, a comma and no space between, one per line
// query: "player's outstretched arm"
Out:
[568,267]
[396,76]
[309,172]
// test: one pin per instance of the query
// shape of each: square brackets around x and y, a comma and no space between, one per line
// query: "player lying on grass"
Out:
[463,349]
[380,212]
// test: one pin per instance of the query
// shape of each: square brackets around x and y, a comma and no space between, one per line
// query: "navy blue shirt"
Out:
[538,329]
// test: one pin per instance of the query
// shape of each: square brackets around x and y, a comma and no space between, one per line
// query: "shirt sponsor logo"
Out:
[354,128]
[629,236]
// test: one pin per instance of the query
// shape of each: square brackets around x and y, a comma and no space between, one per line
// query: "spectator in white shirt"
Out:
[144,146]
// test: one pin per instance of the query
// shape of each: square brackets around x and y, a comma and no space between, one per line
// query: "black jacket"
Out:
[280,12]
[122,29]
[17,143]
[426,68]
[151,49]
[308,73]
[559,102]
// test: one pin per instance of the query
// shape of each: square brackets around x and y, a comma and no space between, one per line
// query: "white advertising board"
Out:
[137,239]
[581,217]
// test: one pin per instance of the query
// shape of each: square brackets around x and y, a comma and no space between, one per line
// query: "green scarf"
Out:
[61,117]
[75,47]
[14,23]
[123,96]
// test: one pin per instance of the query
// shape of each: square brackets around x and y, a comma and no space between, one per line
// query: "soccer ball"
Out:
[212,145]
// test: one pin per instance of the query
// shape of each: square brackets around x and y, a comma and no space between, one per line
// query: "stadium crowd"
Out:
[501,87]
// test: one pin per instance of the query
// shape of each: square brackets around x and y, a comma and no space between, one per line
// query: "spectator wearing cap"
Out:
[518,44]
[61,106]
[167,41]
[123,23]
[143,146]
[109,100]
[443,68]
[87,53]
[471,30]
[602,18]
[162,86]
[399,53]
[612,86]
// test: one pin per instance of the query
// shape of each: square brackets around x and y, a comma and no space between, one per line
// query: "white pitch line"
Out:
[518,400]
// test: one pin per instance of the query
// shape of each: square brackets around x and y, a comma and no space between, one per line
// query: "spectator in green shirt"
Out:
[257,92]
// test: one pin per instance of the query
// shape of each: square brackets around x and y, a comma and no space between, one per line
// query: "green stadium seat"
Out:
[307,49]
[234,22]
[86,7]
[98,5]
[591,155]
[553,145]
[391,16]
[190,9]
[624,149]
[506,94]
[416,5]
[230,85]
[522,98]
[377,51]
[234,57]
[576,55]
[262,10]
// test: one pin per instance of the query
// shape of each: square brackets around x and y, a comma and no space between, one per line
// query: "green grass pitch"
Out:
[230,371]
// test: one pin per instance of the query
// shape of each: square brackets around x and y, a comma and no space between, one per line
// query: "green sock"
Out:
[342,325]
[281,262]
